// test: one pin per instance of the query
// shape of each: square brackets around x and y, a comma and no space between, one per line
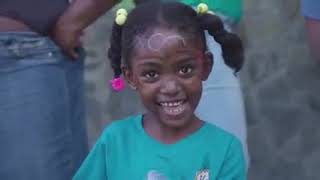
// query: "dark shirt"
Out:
[39,15]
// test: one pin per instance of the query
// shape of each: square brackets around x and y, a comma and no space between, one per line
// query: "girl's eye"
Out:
[151,75]
[185,70]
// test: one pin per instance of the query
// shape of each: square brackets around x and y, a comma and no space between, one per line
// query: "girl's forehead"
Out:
[165,47]
[161,38]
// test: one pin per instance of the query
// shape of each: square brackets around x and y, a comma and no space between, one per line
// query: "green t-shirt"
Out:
[229,8]
[125,151]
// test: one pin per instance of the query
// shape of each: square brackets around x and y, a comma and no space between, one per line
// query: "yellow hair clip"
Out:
[122,11]
[121,16]
[202,8]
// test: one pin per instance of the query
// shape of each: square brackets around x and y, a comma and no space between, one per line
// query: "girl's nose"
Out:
[170,86]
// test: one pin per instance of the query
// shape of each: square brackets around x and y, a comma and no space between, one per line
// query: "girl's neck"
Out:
[168,135]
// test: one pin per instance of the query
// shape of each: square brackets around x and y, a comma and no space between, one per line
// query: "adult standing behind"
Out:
[311,12]
[42,127]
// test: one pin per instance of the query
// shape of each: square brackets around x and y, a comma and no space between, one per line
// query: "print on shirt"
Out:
[155,175]
[203,175]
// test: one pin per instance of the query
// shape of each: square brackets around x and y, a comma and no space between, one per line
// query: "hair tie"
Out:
[211,12]
[121,16]
[202,8]
[117,84]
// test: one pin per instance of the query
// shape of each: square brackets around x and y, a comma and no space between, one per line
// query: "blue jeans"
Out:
[42,126]
[311,9]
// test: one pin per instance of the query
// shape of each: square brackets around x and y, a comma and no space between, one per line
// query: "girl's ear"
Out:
[127,73]
[207,65]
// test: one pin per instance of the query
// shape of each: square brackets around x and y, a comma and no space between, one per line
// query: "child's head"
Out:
[165,57]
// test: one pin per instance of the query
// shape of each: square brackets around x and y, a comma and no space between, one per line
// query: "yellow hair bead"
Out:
[122,11]
[202,8]
[121,19]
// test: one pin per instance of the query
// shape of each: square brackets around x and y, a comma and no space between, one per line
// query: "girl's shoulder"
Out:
[230,151]
[219,132]
[126,125]
[218,137]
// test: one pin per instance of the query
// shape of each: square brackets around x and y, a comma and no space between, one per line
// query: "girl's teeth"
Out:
[171,104]
[176,110]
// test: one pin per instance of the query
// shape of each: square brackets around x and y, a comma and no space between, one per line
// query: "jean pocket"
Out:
[16,63]
[32,48]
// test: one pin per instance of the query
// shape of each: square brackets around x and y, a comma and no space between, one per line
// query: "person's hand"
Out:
[67,37]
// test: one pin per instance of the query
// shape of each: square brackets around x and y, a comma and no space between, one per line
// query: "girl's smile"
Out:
[173,109]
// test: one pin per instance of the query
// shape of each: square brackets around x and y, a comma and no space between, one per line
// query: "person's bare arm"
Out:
[313,32]
[79,15]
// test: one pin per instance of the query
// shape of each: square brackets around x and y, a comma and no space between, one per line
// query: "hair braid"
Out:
[114,52]
[231,45]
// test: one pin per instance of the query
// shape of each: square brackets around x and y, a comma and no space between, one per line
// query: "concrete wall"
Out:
[280,85]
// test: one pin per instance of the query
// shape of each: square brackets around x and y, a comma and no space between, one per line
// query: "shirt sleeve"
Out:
[94,166]
[233,167]
[311,8]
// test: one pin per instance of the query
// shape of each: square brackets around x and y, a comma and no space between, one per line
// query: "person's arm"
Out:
[233,167]
[311,11]
[79,15]
[313,33]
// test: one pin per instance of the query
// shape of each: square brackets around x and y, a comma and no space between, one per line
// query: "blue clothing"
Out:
[42,127]
[126,151]
[311,8]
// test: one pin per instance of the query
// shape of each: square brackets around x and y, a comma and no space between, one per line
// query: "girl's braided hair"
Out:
[149,14]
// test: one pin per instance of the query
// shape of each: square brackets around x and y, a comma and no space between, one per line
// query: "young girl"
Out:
[165,59]
[222,88]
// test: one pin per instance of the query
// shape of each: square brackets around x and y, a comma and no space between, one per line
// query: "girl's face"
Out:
[167,69]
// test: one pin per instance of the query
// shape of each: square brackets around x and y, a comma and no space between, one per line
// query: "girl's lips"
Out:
[173,108]
[174,111]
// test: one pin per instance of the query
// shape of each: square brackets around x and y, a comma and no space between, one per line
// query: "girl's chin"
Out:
[175,122]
